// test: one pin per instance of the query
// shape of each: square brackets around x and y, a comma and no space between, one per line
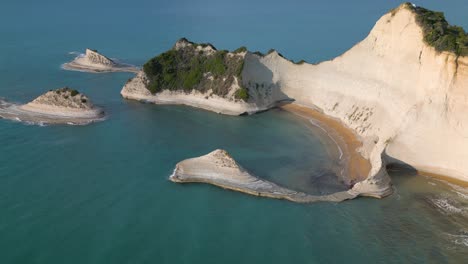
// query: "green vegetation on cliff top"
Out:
[439,33]
[189,68]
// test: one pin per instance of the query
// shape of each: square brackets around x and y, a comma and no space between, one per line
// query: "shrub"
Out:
[242,94]
[193,78]
[439,33]
[240,69]
[216,64]
[185,68]
[74,92]
[241,49]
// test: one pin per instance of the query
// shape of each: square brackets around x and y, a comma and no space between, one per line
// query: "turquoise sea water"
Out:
[100,194]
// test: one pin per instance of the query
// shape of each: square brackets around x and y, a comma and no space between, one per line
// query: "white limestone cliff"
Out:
[405,100]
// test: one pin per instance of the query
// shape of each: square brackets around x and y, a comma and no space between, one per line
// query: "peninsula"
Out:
[402,91]
[60,106]
[93,61]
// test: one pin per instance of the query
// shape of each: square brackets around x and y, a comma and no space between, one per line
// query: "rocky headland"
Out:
[201,76]
[402,91]
[60,106]
[93,61]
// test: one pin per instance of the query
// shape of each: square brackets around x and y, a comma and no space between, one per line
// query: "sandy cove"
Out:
[404,99]
[220,169]
[356,167]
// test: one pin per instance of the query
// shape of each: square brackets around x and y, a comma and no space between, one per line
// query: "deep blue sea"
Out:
[100,193]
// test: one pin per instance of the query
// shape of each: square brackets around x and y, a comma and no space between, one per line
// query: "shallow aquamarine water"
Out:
[100,194]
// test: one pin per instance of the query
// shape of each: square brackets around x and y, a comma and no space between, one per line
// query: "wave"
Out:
[461,239]
[326,132]
[446,205]
[76,53]
[460,191]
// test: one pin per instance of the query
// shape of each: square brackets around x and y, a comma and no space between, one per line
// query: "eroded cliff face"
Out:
[96,58]
[400,95]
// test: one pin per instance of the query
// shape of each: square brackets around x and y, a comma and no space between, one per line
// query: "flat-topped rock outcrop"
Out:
[60,106]
[93,61]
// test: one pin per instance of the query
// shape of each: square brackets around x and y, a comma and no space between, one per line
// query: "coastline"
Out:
[356,167]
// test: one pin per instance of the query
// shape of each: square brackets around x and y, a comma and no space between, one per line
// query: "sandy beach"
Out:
[352,168]
[356,167]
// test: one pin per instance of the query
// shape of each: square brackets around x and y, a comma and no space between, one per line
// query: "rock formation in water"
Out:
[93,61]
[403,90]
[94,57]
[220,169]
[197,75]
[61,106]
[63,98]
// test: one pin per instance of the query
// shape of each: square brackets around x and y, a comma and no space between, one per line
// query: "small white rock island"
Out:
[93,61]
[60,106]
